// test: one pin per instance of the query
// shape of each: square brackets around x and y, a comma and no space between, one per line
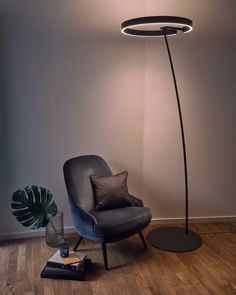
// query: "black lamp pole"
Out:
[182,133]
[174,239]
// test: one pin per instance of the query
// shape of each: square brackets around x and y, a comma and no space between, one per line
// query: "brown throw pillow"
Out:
[111,191]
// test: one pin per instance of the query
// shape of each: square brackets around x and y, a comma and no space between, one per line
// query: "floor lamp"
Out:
[174,239]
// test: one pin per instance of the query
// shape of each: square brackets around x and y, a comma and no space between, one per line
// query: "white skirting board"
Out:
[31,233]
[71,229]
[201,219]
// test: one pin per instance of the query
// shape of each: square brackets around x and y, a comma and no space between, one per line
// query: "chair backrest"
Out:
[76,173]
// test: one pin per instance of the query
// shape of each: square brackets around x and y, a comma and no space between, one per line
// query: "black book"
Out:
[66,274]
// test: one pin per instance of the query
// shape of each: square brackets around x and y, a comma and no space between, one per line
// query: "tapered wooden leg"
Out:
[104,252]
[77,245]
[143,240]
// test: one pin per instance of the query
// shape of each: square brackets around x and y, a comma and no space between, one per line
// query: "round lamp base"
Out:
[174,239]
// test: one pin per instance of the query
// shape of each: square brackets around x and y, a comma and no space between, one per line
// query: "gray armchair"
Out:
[103,226]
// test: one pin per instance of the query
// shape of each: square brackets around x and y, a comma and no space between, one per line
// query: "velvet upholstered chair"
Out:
[103,226]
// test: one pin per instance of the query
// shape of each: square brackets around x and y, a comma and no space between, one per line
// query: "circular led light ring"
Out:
[171,23]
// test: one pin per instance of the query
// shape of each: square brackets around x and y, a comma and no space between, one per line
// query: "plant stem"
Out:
[52,225]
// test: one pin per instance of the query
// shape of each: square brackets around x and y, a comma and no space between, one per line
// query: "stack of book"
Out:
[73,267]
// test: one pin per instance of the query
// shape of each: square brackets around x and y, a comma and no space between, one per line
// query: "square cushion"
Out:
[111,191]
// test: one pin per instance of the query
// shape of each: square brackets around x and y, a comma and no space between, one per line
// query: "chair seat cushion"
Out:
[119,223]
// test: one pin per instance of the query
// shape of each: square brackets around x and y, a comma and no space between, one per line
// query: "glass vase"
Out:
[55,230]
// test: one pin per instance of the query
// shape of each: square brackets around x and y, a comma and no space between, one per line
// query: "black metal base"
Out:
[174,239]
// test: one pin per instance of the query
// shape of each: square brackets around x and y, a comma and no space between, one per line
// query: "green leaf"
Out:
[19,196]
[17,206]
[42,220]
[29,194]
[33,205]
[36,193]
[23,212]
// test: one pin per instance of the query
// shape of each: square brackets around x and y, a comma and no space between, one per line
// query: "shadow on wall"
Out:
[6,157]
[8,169]
[65,96]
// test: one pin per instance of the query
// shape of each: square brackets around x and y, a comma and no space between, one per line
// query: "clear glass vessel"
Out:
[55,230]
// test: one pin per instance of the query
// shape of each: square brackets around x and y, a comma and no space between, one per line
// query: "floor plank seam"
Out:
[216,233]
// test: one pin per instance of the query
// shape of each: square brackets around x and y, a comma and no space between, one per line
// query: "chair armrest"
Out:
[83,220]
[84,215]
[135,201]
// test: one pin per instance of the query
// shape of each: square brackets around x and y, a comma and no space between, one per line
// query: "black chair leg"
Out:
[104,252]
[143,240]
[77,245]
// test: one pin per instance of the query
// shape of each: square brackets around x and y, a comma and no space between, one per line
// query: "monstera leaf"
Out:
[32,206]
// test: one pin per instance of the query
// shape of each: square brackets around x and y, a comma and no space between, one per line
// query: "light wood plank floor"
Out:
[209,270]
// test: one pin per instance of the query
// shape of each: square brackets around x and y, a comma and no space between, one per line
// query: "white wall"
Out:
[207,94]
[205,64]
[66,94]
[71,85]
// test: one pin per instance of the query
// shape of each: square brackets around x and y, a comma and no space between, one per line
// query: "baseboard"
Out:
[71,229]
[31,234]
[200,219]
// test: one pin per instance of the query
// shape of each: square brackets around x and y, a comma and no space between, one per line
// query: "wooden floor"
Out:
[209,270]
